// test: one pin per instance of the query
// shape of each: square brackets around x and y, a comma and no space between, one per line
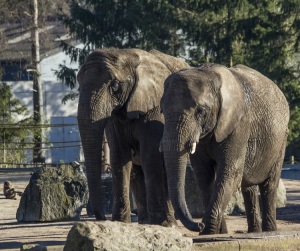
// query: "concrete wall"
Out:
[62,116]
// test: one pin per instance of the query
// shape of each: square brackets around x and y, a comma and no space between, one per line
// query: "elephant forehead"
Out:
[202,93]
[188,92]
[93,75]
[177,97]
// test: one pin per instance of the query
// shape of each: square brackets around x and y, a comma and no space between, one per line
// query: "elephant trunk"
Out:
[176,144]
[94,109]
[91,139]
[176,168]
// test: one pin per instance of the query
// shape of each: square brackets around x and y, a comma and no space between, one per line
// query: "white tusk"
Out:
[160,147]
[193,148]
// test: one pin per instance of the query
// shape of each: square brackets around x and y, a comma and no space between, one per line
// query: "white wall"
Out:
[55,111]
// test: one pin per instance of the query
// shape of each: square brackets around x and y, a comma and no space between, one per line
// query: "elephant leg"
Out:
[160,210]
[121,185]
[225,186]
[252,208]
[223,226]
[155,194]
[121,166]
[171,221]
[205,176]
[268,191]
[137,185]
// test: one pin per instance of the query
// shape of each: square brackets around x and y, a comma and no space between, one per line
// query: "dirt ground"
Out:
[13,234]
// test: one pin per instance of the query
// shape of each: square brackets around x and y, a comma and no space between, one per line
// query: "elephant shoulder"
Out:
[172,63]
[243,69]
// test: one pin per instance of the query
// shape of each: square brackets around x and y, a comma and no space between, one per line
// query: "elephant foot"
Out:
[102,218]
[143,221]
[254,229]
[208,230]
[142,217]
[223,228]
[269,229]
[122,218]
[169,222]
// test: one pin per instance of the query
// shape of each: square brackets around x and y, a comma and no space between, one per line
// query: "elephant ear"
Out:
[151,73]
[232,103]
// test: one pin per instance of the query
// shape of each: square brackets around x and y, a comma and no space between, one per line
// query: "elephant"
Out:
[233,124]
[119,92]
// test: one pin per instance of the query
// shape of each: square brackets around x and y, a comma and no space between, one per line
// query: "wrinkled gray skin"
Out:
[234,123]
[120,91]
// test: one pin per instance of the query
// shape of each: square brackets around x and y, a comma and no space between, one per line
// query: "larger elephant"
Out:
[234,123]
[120,91]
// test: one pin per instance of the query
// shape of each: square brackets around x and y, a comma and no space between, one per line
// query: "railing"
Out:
[11,166]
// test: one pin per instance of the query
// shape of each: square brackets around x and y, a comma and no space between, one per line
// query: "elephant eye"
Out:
[115,86]
[200,112]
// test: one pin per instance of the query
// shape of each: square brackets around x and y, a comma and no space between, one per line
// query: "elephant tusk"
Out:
[160,148]
[193,148]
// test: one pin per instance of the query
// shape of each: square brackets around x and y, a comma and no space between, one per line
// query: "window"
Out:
[15,71]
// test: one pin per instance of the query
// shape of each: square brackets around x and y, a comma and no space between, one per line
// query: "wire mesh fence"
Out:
[47,145]
[71,147]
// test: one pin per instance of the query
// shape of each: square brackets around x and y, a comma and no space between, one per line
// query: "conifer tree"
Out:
[263,35]
[15,132]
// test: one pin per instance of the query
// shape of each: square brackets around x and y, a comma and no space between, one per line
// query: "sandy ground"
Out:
[13,234]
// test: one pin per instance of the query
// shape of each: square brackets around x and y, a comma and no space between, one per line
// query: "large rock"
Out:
[54,194]
[124,236]
[281,195]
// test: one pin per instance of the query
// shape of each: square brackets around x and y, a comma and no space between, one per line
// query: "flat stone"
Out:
[124,236]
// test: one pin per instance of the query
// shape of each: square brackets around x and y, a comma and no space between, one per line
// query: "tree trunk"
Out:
[37,87]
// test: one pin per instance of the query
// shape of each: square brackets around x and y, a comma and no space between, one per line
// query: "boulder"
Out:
[54,194]
[281,195]
[124,236]
[33,247]
[236,205]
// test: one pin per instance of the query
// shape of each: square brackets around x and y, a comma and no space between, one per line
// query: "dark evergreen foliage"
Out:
[15,135]
[261,34]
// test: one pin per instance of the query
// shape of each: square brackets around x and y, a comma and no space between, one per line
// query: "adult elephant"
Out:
[234,123]
[120,91]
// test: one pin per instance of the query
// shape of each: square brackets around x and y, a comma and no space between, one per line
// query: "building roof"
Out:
[16,40]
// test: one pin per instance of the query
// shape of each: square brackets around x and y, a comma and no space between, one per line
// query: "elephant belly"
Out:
[260,163]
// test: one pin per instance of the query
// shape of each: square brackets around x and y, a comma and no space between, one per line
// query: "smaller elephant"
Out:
[234,124]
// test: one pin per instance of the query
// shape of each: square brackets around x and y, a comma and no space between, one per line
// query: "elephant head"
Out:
[198,105]
[126,82]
